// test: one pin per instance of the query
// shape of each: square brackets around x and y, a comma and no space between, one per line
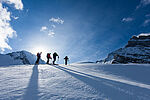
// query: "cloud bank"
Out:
[6,31]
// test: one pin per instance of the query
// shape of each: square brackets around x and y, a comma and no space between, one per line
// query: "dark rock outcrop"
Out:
[139,41]
[136,51]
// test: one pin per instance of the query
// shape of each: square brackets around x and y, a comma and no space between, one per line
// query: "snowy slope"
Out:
[75,82]
[18,58]
[8,60]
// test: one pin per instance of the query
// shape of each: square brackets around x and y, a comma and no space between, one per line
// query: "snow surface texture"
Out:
[136,51]
[75,82]
[18,58]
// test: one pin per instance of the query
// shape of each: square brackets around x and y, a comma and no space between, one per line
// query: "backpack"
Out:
[48,55]
[37,54]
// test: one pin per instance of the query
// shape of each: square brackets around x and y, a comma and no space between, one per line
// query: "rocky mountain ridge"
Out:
[136,51]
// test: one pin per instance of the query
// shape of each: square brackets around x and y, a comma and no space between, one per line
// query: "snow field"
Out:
[75,82]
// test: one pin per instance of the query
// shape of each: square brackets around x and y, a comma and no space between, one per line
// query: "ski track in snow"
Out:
[115,78]
[74,82]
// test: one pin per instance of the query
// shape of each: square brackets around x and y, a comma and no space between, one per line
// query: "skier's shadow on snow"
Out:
[102,86]
[31,92]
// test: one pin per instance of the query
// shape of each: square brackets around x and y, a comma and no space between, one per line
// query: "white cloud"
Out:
[50,30]
[53,26]
[128,19]
[43,28]
[143,3]
[51,33]
[6,31]
[146,22]
[17,3]
[14,17]
[56,20]
[46,30]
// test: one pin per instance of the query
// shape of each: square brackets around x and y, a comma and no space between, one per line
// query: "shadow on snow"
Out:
[109,88]
[31,92]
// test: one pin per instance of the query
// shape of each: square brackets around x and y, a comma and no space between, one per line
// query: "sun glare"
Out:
[42,49]
[35,50]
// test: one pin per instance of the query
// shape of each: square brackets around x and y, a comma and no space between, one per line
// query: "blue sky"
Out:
[90,30]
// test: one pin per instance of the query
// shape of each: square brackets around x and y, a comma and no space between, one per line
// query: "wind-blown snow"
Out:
[75,82]
[144,34]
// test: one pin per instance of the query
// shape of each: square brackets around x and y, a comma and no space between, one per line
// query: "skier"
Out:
[48,57]
[38,57]
[54,57]
[66,59]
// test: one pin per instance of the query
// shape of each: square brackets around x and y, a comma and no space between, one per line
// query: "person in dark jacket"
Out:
[48,57]
[66,60]
[54,57]
[38,57]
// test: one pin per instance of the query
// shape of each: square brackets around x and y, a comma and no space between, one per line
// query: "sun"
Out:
[35,50]
[42,49]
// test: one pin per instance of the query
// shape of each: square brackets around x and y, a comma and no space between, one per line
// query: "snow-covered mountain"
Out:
[18,58]
[136,51]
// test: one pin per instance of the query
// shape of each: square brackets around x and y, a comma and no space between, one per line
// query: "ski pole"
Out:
[58,60]
[69,62]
